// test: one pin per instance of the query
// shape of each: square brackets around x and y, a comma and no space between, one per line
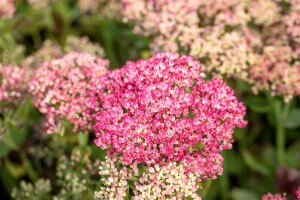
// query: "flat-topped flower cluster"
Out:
[161,111]
[60,88]
[234,38]
[13,83]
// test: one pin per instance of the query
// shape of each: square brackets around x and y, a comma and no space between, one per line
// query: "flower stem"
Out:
[83,138]
[281,111]
[206,188]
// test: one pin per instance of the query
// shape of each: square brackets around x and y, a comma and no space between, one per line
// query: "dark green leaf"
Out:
[293,119]
[258,104]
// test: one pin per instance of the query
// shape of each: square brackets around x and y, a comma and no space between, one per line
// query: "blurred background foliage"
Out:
[33,162]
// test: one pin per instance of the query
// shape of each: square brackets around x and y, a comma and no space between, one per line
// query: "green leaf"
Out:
[7,179]
[83,138]
[17,170]
[14,137]
[254,164]
[4,149]
[293,154]
[258,104]
[293,119]
[239,165]
[97,152]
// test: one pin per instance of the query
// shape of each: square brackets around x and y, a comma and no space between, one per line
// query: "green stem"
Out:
[206,188]
[225,178]
[281,112]
[83,138]
[280,142]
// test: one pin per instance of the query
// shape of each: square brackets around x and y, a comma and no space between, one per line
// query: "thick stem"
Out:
[280,142]
[281,111]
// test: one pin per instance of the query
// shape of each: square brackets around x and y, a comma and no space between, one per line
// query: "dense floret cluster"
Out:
[161,109]
[51,50]
[60,88]
[166,182]
[114,177]
[13,83]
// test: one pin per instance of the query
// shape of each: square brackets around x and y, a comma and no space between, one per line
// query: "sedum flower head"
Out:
[221,32]
[264,12]
[51,50]
[83,44]
[48,51]
[172,23]
[277,72]
[227,54]
[160,109]
[271,196]
[292,21]
[7,8]
[114,177]
[13,83]
[298,193]
[60,88]
[75,176]
[166,182]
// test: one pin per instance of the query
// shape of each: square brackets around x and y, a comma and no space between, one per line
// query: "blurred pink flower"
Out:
[60,88]
[298,193]
[13,83]
[275,73]
[231,37]
[271,196]
[7,8]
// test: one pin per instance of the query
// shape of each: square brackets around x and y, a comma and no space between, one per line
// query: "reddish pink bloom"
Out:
[271,196]
[13,83]
[7,8]
[298,193]
[60,88]
[160,110]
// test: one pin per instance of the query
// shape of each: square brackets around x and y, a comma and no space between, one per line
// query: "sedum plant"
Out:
[160,112]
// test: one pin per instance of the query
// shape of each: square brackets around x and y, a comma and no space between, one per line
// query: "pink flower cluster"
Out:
[51,50]
[7,8]
[160,110]
[60,88]
[274,72]
[232,37]
[13,83]
[292,21]
[173,23]
[271,196]
[298,193]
